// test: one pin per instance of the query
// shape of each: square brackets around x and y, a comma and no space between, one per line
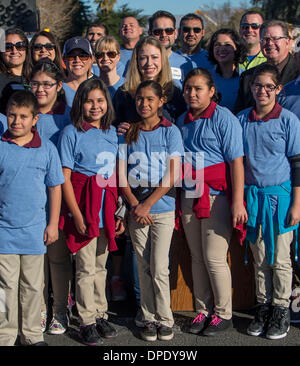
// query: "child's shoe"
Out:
[198,324]
[59,324]
[164,333]
[104,329]
[217,325]
[89,335]
[149,332]
[279,323]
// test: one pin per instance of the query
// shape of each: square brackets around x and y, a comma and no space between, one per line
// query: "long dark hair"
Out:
[133,132]
[81,97]
[3,67]
[58,56]
[266,68]
[199,71]
[240,53]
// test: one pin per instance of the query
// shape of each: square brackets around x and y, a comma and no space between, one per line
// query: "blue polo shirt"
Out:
[49,125]
[227,87]
[268,144]
[69,93]
[25,172]
[91,151]
[113,88]
[216,133]
[199,59]
[290,96]
[3,123]
[147,159]
[180,66]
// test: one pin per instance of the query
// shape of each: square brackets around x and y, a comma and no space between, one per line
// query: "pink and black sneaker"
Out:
[217,325]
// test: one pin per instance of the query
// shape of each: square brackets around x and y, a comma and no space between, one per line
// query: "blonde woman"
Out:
[107,54]
[149,61]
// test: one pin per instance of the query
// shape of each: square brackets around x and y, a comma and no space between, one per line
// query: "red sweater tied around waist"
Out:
[88,194]
[216,177]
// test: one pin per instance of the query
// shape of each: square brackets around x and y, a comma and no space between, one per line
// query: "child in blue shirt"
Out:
[28,166]
[88,149]
[271,143]
[154,150]
[46,84]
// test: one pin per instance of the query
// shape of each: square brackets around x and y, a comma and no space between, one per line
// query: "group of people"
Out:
[106,145]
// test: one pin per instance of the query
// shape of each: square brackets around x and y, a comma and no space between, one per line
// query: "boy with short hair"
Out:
[28,164]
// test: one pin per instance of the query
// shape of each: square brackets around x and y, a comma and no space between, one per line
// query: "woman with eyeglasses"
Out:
[12,72]
[107,54]
[226,51]
[46,84]
[78,58]
[43,45]
[271,136]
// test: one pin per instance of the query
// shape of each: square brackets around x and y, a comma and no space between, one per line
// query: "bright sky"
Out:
[176,7]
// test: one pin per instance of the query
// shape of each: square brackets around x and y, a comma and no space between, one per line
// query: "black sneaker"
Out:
[260,322]
[198,324]
[164,333]
[149,332]
[105,329]
[279,323]
[89,335]
[217,325]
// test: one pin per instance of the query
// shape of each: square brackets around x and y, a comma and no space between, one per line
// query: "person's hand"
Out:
[50,234]
[293,215]
[80,225]
[123,128]
[119,227]
[239,214]
[141,214]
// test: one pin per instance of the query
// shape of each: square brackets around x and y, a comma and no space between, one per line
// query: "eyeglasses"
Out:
[252,25]
[40,46]
[45,84]
[160,31]
[110,54]
[189,29]
[268,87]
[20,46]
[273,39]
[71,58]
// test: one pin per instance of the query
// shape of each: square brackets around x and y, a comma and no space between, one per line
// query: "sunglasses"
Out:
[160,31]
[110,54]
[40,46]
[189,29]
[252,25]
[74,57]
[20,46]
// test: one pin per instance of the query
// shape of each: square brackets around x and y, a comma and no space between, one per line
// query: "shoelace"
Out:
[199,318]
[277,316]
[215,320]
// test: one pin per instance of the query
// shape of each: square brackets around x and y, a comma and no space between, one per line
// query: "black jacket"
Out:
[125,110]
[245,99]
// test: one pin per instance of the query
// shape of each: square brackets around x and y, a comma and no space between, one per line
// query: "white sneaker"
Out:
[59,324]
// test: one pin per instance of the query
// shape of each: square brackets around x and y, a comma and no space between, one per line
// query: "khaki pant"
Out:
[273,282]
[208,240]
[91,280]
[58,269]
[152,246]
[20,293]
